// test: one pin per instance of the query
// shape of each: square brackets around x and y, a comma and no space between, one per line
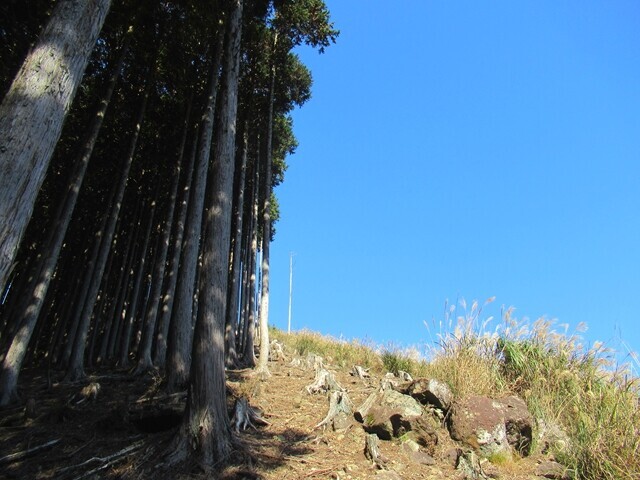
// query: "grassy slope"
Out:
[563,384]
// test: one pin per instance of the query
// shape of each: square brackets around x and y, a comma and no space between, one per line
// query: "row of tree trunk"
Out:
[141,249]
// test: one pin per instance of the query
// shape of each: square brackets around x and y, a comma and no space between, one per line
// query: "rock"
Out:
[422,458]
[385,412]
[378,421]
[553,470]
[518,423]
[417,428]
[479,422]
[387,475]
[429,391]
[491,426]
[451,456]
[410,446]
[469,465]
[551,437]
[392,400]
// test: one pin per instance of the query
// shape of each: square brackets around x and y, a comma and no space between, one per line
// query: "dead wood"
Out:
[245,416]
[14,457]
[314,361]
[276,352]
[360,372]
[89,392]
[372,451]
[340,411]
[106,461]
[362,410]
[325,382]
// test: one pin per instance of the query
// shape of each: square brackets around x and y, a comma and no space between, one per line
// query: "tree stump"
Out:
[340,411]
[245,416]
[372,451]
[360,372]
[276,352]
[324,382]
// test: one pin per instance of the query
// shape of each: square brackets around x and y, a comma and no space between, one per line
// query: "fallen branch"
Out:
[108,461]
[14,457]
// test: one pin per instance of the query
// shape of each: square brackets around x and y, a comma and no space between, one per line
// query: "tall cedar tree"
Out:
[33,112]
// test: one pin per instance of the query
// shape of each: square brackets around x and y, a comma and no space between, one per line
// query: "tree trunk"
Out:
[75,370]
[205,434]
[172,277]
[248,355]
[180,336]
[74,315]
[262,369]
[33,112]
[125,339]
[144,353]
[13,360]
[232,310]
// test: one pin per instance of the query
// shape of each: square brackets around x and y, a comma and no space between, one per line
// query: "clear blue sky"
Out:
[466,149]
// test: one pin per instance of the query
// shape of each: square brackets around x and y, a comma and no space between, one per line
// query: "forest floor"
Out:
[126,430]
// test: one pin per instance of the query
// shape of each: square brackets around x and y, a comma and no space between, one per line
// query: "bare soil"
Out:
[126,431]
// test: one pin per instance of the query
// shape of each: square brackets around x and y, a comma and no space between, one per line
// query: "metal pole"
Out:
[290,289]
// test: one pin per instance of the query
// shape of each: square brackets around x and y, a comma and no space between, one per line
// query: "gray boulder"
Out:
[429,391]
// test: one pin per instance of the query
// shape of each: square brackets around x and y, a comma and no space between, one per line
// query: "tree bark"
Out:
[206,424]
[75,370]
[33,112]
[167,299]
[15,355]
[180,336]
[125,339]
[232,310]
[248,355]
[262,368]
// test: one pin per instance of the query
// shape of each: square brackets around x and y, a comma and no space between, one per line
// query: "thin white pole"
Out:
[290,289]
